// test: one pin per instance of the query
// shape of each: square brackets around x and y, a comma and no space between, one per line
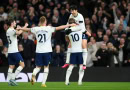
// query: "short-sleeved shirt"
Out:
[43,36]
[79,20]
[12,40]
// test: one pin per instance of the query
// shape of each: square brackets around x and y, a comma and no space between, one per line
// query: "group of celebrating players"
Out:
[76,35]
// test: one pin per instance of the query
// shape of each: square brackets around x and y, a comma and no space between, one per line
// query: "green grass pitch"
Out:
[72,86]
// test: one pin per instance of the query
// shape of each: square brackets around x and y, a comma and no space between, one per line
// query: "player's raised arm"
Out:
[65,26]
[19,29]
[18,32]
[24,28]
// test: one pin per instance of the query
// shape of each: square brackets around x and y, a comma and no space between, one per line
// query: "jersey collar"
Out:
[76,15]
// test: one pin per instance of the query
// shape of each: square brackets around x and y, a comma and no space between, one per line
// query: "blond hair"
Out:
[71,20]
[42,20]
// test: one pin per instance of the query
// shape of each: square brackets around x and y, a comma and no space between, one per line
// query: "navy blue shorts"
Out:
[42,59]
[14,58]
[84,36]
[76,58]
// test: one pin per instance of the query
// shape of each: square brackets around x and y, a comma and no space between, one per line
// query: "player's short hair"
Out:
[9,21]
[71,20]
[42,19]
[73,7]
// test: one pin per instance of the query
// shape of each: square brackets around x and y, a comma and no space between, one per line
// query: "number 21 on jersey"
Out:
[41,38]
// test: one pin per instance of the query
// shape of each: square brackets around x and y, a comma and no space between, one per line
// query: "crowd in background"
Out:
[107,20]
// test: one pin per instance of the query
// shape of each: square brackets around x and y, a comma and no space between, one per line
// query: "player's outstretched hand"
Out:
[26,25]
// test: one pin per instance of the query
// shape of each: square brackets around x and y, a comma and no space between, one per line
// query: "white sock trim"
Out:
[10,70]
[84,50]
[69,50]
[46,70]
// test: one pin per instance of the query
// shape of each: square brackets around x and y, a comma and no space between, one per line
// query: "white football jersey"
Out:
[12,40]
[79,20]
[43,36]
[76,41]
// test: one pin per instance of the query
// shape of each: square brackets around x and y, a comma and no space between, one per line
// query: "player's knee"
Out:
[70,68]
[46,70]
[11,66]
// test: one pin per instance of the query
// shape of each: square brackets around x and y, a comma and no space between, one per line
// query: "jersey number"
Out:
[75,37]
[8,38]
[42,38]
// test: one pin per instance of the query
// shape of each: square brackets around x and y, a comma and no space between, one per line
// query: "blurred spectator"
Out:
[82,8]
[102,56]
[29,50]
[94,22]
[9,5]
[63,16]
[58,57]
[21,17]
[92,48]
[115,39]
[48,14]
[122,51]
[32,16]
[112,27]
[41,10]
[14,13]
[112,55]
[3,35]
[3,57]
[122,20]
[99,35]
[105,39]
[3,15]
[109,33]
[55,18]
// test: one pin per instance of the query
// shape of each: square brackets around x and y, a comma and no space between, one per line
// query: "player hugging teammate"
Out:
[81,26]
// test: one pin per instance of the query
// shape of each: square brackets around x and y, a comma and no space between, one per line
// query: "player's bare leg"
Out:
[45,75]
[85,53]
[35,71]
